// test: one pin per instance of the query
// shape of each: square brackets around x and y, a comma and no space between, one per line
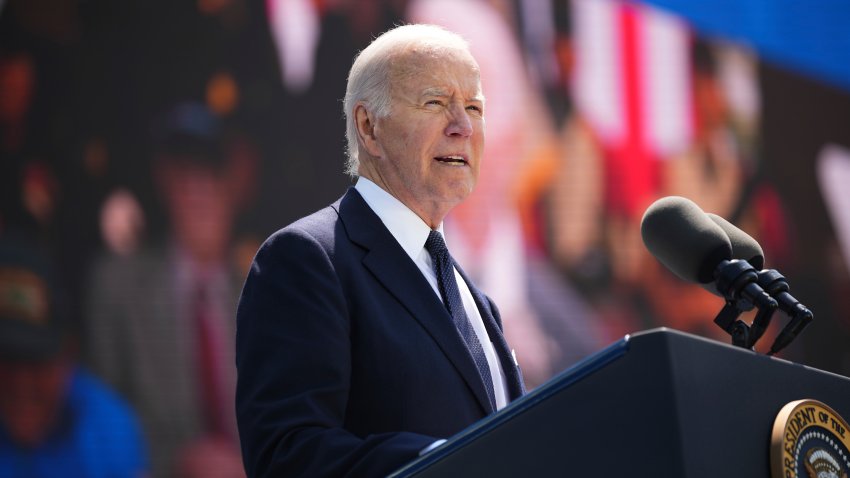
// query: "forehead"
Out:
[421,71]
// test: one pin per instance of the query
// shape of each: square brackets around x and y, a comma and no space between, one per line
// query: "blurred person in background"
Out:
[711,171]
[557,189]
[160,324]
[44,189]
[56,419]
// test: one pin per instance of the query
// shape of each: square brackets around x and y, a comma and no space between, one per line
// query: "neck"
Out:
[431,214]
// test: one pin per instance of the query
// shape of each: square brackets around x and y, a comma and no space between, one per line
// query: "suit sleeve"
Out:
[293,357]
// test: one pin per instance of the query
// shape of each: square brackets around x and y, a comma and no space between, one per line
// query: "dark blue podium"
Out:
[659,403]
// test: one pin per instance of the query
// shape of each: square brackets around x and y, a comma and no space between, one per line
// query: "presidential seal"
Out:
[809,440]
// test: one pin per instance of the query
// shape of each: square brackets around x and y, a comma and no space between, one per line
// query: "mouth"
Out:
[453,160]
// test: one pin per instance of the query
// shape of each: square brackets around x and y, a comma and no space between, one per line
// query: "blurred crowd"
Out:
[147,148]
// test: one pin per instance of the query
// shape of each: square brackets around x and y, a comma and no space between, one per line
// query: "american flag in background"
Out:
[632,84]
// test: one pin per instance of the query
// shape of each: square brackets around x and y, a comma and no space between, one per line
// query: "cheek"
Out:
[478,134]
[396,142]
[408,141]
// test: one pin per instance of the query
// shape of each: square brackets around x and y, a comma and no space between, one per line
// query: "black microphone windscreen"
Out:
[679,234]
[743,245]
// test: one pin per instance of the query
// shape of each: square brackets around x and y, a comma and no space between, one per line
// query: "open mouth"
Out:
[454,160]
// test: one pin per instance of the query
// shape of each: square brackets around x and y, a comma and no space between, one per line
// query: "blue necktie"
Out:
[443,264]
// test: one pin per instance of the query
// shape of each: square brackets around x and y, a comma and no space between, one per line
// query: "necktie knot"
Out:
[436,246]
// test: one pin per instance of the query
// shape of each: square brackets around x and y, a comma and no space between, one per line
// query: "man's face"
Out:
[429,146]
[31,398]
[200,203]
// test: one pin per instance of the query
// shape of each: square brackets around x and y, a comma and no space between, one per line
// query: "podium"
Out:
[659,403]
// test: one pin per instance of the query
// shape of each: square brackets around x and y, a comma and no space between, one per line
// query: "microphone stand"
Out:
[738,282]
[743,335]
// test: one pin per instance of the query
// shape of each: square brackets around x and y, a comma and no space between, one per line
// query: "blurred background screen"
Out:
[147,148]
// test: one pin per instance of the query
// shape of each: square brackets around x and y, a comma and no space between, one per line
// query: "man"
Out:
[160,323]
[356,349]
[55,418]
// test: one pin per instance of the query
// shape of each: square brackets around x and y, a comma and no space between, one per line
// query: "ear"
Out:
[365,122]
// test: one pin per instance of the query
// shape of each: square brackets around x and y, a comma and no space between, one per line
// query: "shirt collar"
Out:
[407,228]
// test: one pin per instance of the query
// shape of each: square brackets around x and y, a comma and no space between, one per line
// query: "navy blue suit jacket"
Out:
[348,362]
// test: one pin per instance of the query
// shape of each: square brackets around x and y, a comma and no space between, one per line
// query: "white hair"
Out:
[369,78]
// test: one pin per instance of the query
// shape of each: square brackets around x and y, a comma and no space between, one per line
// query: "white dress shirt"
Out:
[411,232]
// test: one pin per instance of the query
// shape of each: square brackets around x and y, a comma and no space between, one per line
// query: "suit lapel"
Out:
[399,275]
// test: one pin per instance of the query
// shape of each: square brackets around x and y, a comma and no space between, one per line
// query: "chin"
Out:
[457,197]
[466,190]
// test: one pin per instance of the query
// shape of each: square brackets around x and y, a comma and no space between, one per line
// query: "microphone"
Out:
[774,283]
[743,245]
[679,234]
[695,248]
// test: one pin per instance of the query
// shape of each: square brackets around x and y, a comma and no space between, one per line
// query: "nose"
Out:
[459,122]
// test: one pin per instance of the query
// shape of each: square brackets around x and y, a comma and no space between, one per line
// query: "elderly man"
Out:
[360,343]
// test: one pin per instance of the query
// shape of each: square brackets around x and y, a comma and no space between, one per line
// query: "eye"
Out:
[434,102]
[475,108]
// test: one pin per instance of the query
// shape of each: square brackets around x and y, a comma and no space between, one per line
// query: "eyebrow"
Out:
[435,91]
[442,92]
